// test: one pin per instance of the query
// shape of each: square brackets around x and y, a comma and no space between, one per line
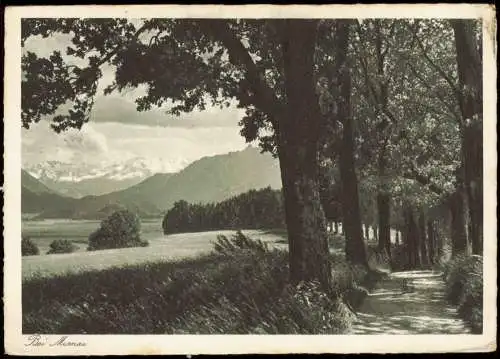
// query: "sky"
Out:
[117,132]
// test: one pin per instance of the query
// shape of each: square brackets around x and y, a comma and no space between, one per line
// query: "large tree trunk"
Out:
[351,214]
[298,154]
[416,239]
[384,212]
[431,241]
[439,234]
[473,153]
[458,223]
[383,199]
[412,238]
[469,66]
[408,240]
[422,230]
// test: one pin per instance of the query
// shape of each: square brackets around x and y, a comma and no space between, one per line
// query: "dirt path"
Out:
[389,309]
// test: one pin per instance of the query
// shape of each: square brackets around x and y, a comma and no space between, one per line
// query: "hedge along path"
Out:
[410,302]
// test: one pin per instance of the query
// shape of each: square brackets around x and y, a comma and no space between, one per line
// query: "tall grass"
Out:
[240,288]
[464,288]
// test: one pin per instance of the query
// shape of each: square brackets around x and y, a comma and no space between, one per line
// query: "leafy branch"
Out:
[264,96]
[436,67]
[436,93]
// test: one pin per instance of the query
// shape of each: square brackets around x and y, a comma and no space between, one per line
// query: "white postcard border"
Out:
[15,342]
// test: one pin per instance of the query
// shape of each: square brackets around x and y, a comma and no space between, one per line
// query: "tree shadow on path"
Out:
[409,303]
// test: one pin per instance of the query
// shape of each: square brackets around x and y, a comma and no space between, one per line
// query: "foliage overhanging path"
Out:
[419,307]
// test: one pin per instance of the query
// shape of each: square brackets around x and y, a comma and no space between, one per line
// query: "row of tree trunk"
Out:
[298,131]
[423,245]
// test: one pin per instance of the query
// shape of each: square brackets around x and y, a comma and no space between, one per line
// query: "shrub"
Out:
[238,242]
[443,258]
[119,230]
[28,247]
[378,258]
[464,288]
[62,246]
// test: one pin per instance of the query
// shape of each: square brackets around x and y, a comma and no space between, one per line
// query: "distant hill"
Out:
[91,186]
[33,185]
[36,198]
[96,207]
[210,179]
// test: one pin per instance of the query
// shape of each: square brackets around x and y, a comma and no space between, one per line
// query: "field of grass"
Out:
[161,248]
[242,290]
[43,232]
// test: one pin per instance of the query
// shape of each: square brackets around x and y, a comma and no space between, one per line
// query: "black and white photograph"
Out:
[250,172]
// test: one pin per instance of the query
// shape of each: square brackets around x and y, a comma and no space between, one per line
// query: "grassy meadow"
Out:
[43,232]
[161,247]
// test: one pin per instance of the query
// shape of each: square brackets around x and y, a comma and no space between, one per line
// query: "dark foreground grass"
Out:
[242,288]
[464,288]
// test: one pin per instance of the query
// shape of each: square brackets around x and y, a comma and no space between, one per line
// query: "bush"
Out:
[238,242]
[62,246]
[28,247]
[379,258]
[241,289]
[464,288]
[119,230]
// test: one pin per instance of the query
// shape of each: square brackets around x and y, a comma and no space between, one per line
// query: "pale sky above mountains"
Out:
[117,132]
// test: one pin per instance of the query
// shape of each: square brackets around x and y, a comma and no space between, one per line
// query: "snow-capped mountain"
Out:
[83,179]
[210,179]
[72,172]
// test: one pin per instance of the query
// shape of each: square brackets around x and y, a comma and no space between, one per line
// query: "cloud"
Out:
[121,107]
[171,148]
[87,140]
[44,47]
[40,144]
[165,149]
[123,110]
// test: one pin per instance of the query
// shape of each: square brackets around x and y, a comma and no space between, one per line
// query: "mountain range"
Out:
[85,180]
[210,179]
[36,197]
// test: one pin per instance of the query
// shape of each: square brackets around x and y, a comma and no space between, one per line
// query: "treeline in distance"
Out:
[253,209]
